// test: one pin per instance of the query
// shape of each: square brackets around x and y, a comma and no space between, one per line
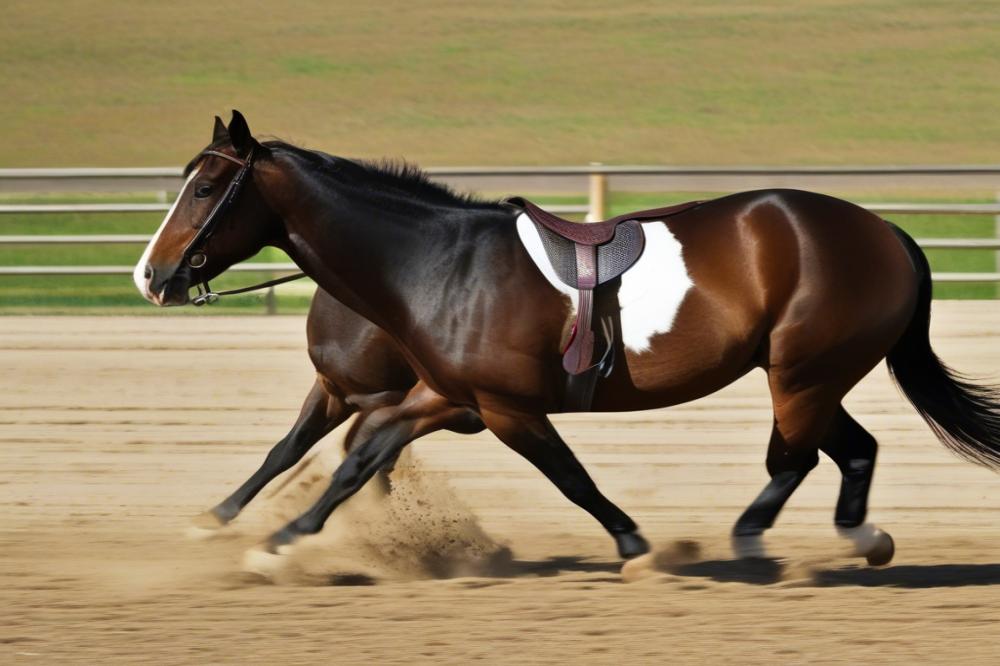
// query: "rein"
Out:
[194,253]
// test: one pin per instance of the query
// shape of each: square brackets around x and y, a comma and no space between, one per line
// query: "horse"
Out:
[814,290]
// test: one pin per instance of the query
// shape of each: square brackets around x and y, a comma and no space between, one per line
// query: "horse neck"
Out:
[380,257]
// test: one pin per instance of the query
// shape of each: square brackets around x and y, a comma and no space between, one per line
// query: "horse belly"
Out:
[703,351]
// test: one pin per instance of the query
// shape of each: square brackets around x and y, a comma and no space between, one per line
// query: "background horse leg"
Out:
[361,431]
[422,412]
[365,426]
[321,412]
[534,437]
[854,449]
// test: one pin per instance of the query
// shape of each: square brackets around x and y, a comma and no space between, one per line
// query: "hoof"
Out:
[749,547]
[265,563]
[883,551]
[631,545]
[870,542]
[204,526]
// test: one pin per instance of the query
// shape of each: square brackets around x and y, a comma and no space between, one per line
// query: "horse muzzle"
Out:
[165,287]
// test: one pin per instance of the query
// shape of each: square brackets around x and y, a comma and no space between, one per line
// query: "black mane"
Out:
[383,176]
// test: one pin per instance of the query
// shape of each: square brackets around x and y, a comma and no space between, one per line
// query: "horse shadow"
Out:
[554,566]
[914,576]
[911,576]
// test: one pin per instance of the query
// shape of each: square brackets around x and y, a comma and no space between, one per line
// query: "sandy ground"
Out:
[114,431]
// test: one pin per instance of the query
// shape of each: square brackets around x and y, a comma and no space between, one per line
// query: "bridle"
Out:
[194,253]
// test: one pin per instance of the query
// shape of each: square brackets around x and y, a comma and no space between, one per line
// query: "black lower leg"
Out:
[788,467]
[763,511]
[543,448]
[854,450]
[357,468]
[320,414]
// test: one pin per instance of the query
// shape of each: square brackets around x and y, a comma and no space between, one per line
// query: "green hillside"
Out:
[123,83]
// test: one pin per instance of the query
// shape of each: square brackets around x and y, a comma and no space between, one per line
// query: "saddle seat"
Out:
[585,256]
[595,233]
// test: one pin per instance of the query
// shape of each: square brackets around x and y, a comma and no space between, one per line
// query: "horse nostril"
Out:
[148,273]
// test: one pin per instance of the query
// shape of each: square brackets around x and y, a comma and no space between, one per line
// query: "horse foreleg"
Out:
[535,438]
[320,414]
[422,411]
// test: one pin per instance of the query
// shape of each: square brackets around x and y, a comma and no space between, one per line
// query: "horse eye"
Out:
[203,191]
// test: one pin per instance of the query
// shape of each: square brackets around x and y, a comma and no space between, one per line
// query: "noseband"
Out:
[194,253]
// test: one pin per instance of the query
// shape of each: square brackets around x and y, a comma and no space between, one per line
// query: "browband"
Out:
[236,160]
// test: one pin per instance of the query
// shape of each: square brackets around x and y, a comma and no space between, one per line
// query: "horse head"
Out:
[218,219]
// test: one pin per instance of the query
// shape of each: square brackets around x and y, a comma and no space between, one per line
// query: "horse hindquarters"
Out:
[853,297]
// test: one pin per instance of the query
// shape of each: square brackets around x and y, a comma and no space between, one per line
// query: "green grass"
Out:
[117,294]
[442,82]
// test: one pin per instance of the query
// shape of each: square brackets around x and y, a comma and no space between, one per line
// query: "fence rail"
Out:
[279,268]
[594,168]
[161,179]
[890,208]
[127,270]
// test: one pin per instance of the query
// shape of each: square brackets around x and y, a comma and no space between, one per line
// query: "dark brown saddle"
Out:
[586,256]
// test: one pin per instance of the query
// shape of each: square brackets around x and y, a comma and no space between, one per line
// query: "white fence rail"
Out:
[596,181]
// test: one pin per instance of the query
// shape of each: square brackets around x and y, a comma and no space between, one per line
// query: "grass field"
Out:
[443,82]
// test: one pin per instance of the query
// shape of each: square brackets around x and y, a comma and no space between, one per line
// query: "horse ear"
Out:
[219,132]
[239,134]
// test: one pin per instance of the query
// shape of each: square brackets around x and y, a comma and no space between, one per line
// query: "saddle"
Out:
[587,257]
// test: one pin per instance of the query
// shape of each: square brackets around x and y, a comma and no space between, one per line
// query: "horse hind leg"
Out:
[805,421]
[854,450]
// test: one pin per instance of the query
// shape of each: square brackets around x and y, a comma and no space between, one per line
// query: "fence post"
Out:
[598,195]
[271,301]
[996,227]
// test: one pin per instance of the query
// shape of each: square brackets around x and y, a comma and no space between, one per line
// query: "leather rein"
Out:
[194,253]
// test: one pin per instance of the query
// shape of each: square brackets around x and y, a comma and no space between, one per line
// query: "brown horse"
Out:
[814,290]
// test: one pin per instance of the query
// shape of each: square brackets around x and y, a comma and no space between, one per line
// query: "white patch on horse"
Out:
[652,290]
[139,274]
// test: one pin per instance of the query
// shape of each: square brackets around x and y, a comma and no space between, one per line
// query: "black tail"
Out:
[963,415]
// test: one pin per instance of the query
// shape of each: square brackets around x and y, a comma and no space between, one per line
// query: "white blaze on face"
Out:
[652,290]
[139,274]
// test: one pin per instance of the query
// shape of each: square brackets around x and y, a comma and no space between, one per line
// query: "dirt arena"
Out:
[115,431]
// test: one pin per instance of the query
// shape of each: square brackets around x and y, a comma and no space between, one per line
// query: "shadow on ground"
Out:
[754,571]
[916,576]
[912,576]
[554,566]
